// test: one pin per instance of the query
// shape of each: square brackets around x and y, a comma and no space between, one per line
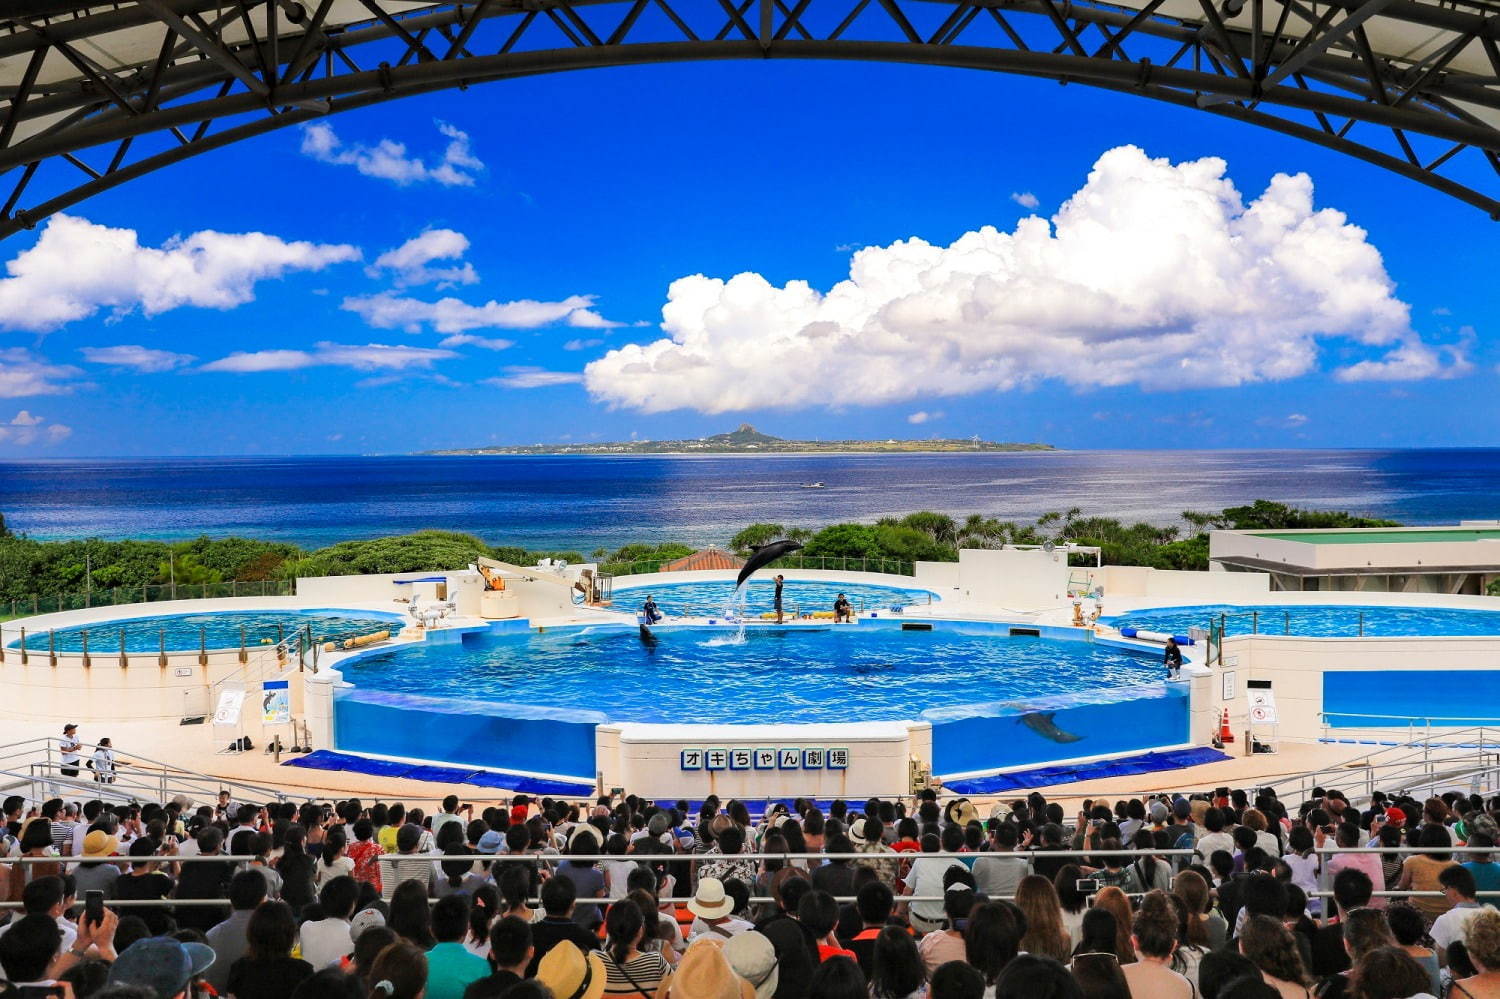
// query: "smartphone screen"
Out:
[93,907]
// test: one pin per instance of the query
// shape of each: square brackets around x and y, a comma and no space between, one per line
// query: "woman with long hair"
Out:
[296,868]
[1114,901]
[896,971]
[1045,935]
[1205,927]
[1074,903]
[1188,955]
[1268,943]
[514,883]
[1100,977]
[335,859]
[1422,871]
[268,970]
[993,938]
[630,970]
[1099,934]
[411,915]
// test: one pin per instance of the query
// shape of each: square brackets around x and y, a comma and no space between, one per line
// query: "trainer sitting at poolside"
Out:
[842,610]
[650,611]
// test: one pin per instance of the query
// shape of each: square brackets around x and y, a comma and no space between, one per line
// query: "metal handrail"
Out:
[881,566]
[167,779]
[117,595]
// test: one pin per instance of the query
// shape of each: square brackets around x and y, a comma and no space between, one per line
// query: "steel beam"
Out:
[191,85]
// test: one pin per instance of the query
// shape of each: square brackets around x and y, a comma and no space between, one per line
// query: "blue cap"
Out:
[161,964]
[491,842]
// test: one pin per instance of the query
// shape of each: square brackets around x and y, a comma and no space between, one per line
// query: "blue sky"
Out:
[614,184]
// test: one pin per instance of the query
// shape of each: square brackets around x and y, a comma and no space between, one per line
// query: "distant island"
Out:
[748,440]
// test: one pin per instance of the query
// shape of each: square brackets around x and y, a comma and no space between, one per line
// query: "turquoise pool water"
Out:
[219,629]
[864,672]
[700,599]
[1317,620]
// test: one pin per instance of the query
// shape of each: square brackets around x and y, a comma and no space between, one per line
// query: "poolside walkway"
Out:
[191,749]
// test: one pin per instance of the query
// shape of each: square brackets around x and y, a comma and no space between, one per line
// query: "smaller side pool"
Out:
[213,629]
[710,598]
[1316,620]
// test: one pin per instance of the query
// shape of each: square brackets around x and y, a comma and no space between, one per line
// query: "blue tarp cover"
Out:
[327,759]
[1119,767]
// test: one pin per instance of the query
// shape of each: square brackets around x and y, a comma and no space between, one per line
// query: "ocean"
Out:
[581,503]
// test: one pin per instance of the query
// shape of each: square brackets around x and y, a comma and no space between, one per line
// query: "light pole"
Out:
[88,579]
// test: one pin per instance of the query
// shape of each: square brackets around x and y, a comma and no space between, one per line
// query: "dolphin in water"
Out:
[648,637]
[1042,724]
[765,555]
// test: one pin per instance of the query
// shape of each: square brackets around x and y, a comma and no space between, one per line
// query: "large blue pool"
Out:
[699,599]
[217,630]
[1316,620]
[864,672]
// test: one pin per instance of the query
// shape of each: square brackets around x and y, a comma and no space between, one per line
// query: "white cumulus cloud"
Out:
[470,340]
[519,376]
[26,428]
[453,315]
[583,344]
[1152,274]
[361,357]
[76,268]
[23,373]
[389,160]
[409,263]
[1025,199]
[922,416]
[146,359]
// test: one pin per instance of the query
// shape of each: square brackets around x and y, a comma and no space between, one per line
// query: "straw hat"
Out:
[753,958]
[710,902]
[963,812]
[569,974]
[704,973]
[99,844]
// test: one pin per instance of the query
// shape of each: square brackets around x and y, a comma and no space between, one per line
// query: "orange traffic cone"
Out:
[1225,735]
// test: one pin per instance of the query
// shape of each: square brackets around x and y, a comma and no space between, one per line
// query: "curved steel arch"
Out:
[114,93]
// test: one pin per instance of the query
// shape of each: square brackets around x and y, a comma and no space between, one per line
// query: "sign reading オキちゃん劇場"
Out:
[764,758]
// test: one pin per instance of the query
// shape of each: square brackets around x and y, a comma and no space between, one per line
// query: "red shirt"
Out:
[364,853]
[825,952]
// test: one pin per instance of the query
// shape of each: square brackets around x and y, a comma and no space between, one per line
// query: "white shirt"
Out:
[926,878]
[69,933]
[1450,926]
[1210,843]
[69,746]
[325,941]
[731,927]
[104,761]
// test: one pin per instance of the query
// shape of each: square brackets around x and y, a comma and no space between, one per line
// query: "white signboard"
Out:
[228,711]
[1228,692]
[1262,707]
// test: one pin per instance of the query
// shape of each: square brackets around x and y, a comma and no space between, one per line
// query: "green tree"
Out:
[185,569]
[756,535]
[908,544]
[938,526]
[844,541]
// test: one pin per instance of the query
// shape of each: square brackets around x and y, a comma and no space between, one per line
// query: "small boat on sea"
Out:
[813,485]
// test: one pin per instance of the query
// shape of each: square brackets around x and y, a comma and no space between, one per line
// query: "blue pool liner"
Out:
[327,759]
[1173,759]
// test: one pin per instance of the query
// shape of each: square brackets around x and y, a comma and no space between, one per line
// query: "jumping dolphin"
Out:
[765,555]
[1042,724]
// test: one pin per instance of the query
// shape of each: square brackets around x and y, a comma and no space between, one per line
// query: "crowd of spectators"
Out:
[1221,897]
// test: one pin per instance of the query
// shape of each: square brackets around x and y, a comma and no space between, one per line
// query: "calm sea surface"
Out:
[582,503]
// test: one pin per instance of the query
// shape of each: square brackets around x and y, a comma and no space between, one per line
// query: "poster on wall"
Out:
[228,710]
[276,702]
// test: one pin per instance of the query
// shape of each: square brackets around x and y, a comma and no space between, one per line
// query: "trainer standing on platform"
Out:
[779,580]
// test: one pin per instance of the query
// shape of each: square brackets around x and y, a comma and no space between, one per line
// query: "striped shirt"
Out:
[640,976]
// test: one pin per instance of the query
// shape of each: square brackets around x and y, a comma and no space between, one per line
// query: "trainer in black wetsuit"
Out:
[1173,658]
[779,580]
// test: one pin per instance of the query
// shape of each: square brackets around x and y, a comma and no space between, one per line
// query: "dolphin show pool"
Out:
[1317,620]
[212,629]
[865,672]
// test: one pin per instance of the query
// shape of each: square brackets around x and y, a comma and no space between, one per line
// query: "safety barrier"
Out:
[51,603]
